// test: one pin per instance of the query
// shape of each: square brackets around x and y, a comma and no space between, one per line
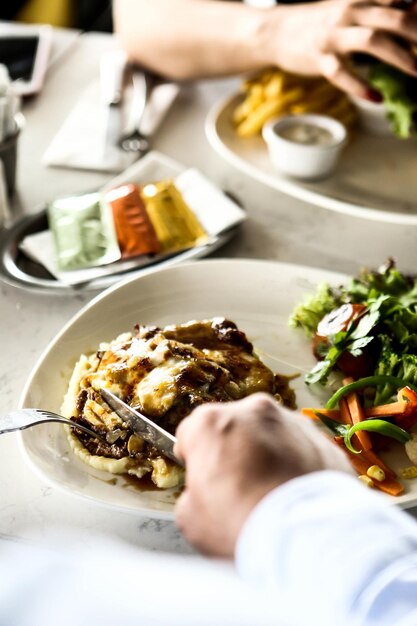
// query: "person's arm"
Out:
[187,39]
[334,553]
[261,486]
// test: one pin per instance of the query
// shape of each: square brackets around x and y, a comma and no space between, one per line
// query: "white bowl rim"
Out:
[338,130]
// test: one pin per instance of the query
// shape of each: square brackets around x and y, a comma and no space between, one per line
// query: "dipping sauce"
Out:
[175,224]
[83,232]
[134,230]
[307,134]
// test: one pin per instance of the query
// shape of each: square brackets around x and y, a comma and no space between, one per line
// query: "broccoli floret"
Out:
[391,363]
[403,327]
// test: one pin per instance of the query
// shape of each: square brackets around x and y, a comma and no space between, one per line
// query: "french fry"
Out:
[274,88]
[252,125]
[275,92]
[251,102]
[265,77]
[314,105]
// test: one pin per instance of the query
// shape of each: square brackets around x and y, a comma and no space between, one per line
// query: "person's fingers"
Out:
[400,4]
[390,20]
[336,72]
[192,428]
[344,41]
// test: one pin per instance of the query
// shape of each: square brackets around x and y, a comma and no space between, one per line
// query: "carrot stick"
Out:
[374,459]
[362,462]
[346,418]
[374,411]
[345,413]
[383,410]
[391,486]
[386,410]
[370,457]
[334,414]
[357,414]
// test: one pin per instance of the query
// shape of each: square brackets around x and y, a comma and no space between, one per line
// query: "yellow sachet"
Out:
[175,224]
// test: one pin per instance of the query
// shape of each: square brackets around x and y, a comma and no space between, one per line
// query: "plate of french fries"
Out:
[375,177]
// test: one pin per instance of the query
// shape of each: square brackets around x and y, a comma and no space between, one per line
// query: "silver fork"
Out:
[137,141]
[26,418]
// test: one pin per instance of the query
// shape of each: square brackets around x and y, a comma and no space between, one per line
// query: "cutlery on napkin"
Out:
[88,137]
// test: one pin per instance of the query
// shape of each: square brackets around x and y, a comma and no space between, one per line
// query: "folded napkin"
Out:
[214,210]
[81,141]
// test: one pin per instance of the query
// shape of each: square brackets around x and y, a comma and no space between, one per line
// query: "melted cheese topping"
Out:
[157,391]
[165,373]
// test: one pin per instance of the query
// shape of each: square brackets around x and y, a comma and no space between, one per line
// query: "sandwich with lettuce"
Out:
[399,92]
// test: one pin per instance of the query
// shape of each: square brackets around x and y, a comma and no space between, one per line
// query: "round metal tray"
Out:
[18,270]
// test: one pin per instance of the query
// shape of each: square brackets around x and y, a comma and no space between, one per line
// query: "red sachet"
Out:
[135,232]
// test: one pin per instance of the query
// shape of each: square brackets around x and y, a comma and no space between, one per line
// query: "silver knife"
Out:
[143,426]
[112,68]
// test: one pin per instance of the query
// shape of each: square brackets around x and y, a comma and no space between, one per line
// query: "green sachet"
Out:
[83,232]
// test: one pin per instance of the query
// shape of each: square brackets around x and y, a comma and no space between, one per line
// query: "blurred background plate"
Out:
[375,179]
[17,269]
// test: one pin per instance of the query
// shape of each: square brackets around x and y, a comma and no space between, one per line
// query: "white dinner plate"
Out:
[257,295]
[375,178]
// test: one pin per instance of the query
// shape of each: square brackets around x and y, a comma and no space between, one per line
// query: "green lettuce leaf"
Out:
[398,91]
[309,313]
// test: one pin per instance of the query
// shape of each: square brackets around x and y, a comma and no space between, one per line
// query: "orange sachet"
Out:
[134,229]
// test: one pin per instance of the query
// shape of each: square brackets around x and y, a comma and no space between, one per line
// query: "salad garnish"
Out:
[380,338]
[364,337]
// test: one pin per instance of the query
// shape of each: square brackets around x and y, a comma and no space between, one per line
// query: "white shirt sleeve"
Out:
[108,583]
[321,550]
[333,553]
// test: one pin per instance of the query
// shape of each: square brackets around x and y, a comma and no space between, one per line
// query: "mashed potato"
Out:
[164,373]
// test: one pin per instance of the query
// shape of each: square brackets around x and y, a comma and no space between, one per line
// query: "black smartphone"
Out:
[25,54]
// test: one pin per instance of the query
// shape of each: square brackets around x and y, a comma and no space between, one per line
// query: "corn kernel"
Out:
[409,472]
[366,480]
[376,472]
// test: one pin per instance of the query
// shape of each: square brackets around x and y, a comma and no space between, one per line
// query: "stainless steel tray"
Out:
[18,270]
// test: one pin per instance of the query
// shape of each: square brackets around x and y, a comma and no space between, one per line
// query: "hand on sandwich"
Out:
[319,39]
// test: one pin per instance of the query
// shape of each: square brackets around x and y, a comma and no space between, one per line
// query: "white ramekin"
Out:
[304,161]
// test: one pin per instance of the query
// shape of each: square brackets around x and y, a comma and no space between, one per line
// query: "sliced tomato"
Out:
[333,323]
[339,319]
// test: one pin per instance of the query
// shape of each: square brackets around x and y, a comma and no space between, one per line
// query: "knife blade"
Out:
[112,68]
[143,426]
